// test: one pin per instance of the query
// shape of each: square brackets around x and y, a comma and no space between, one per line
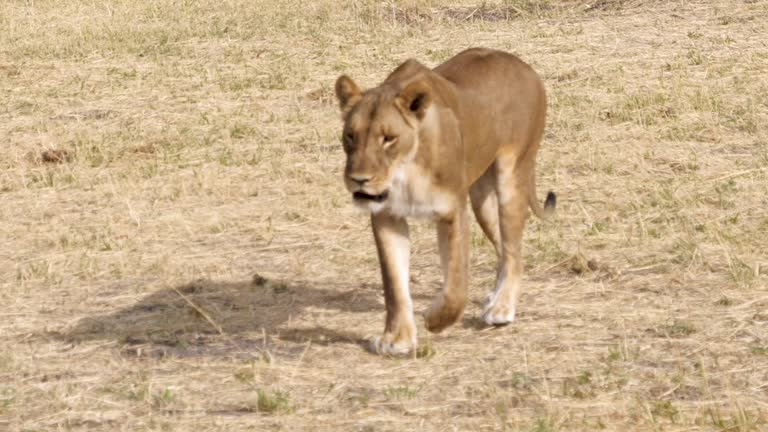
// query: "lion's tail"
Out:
[549,203]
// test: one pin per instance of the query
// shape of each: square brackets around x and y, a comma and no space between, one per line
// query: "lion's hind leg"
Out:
[512,191]
[485,205]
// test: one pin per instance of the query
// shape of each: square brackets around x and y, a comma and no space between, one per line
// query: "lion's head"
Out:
[380,135]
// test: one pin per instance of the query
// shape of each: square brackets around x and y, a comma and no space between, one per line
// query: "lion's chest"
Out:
[413,194]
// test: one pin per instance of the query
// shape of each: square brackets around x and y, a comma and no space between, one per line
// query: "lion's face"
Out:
[380,137]
[377,141]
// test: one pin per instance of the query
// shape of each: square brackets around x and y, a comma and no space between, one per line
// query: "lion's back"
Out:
[493,74]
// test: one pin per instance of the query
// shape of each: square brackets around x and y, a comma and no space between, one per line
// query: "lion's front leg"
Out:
[453,241]
[394,248]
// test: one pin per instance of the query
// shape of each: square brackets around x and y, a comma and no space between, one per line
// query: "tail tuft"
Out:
[550,203]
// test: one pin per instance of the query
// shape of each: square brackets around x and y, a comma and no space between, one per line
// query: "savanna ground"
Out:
[179,253]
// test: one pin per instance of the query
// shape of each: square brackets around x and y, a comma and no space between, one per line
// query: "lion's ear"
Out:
[415,98]
[347,92]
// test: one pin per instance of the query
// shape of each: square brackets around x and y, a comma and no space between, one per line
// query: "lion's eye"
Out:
[348,140]
[388,140]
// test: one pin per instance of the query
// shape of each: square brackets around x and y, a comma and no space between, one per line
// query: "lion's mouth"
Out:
[362,196]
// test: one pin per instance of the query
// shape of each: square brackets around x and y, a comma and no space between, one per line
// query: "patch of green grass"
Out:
[679,329]
[38,269]
[531,7]
[241,130]
[7,398]
[664,409]
[502,413]
[614,354]
[724,301]
[245,375]
[738,420]
[685,251]
[362,399]
[584,378]
[741,273]
[401,392]
[724,193]
[744,118]
[164,398]
[545,424]
[579,387]
[644,108]
[439,55]
[706,100]
[137,391]
[695,57]
[272,401]
[426,351]
[598,227]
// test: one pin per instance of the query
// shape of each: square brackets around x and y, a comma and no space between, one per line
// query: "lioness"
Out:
[420,143]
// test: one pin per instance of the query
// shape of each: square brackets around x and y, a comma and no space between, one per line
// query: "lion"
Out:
[420,144]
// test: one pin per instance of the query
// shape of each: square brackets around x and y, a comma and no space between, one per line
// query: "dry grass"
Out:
[157,154]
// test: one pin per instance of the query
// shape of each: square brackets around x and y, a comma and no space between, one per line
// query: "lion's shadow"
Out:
[226,318]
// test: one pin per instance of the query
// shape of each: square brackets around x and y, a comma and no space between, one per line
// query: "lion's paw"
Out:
[498,312]
[387,345]
[397,342]
[442,314]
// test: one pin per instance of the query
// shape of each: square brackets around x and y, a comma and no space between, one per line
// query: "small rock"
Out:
[56,156]
[259,280]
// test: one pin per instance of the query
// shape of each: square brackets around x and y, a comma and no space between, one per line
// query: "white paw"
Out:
[497,312]
[380,345]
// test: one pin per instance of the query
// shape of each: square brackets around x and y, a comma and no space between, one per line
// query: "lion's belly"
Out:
[413,194]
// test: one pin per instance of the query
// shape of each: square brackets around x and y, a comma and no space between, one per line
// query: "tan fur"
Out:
[419,145]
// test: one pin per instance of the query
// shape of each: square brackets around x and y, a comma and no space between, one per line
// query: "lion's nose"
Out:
[360,179]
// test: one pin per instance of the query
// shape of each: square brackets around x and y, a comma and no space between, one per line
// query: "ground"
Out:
[179,252]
